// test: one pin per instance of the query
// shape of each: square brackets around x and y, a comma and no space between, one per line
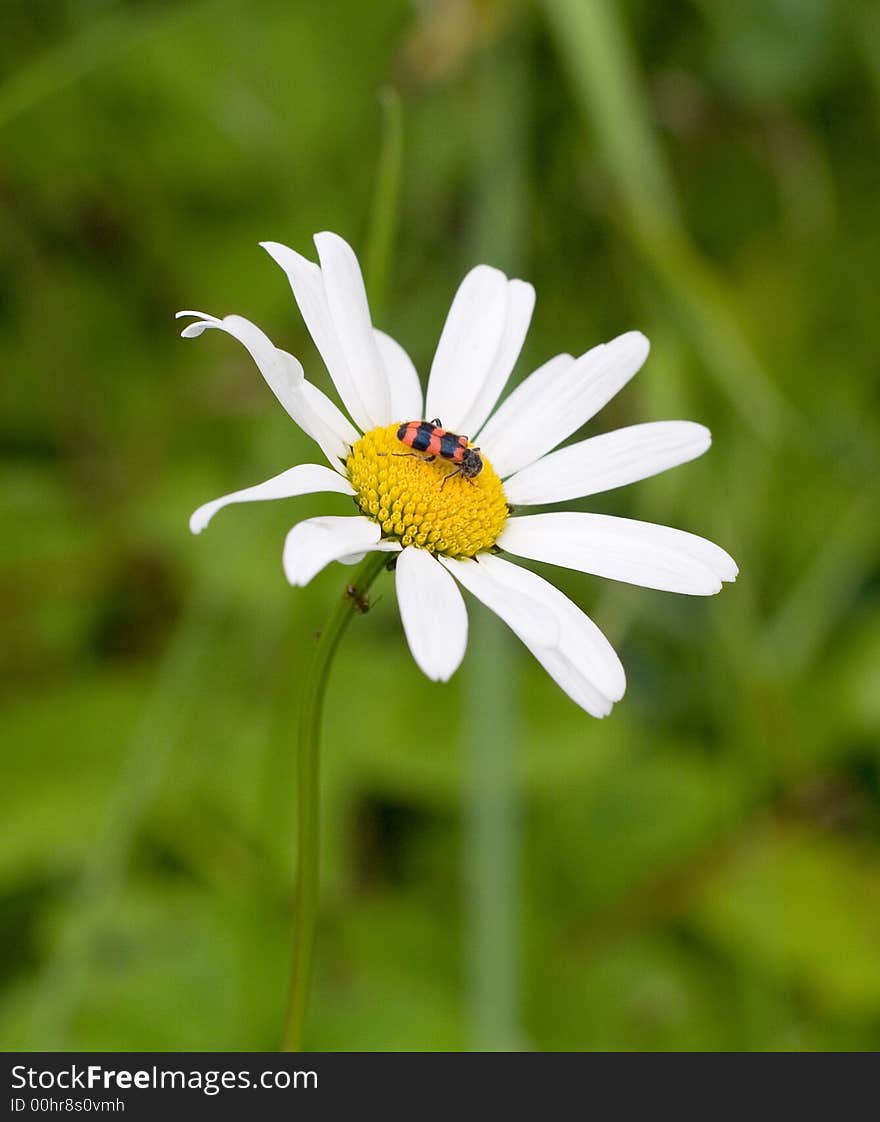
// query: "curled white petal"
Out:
[570,647]
[304,479]
[622,549]
[313,544]
[194,330]
[306,404]
[607,461]
[432,612]
[557,399]
[407,400]
[469,344]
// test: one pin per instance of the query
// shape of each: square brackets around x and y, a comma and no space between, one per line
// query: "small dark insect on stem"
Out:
[359,600]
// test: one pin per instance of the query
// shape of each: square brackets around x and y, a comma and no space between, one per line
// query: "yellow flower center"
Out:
[422,503]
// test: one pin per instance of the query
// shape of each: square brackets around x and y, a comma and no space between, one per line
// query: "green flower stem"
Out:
[308,819]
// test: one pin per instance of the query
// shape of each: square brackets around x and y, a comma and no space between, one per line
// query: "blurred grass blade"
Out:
[602,73]
[386,201]
[865,28]
[492,721]
[100,42]
[493,845]
[827,589]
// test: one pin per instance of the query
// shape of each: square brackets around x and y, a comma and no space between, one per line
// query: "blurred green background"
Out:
[701,871]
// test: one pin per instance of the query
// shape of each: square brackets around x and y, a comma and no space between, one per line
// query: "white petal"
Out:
[383,546]
[556,400]
[469,344]
[192,330]
[313,544]
[407,402]
[305,479]
[432,612]
[324,412]
[622,549]
[347,300]
[520,305]
[607,461]
[523,401]
[307,284]
[571,648]
[306,404]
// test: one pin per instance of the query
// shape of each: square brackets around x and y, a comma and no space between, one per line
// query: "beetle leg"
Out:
[416,455]
[449,476]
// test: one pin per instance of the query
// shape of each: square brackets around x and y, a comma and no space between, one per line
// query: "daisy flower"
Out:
[450,528]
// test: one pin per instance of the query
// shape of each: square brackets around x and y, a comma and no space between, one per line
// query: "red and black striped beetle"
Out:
[430,438]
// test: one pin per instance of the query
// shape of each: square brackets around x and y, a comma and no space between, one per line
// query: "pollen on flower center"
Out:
[407,496]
